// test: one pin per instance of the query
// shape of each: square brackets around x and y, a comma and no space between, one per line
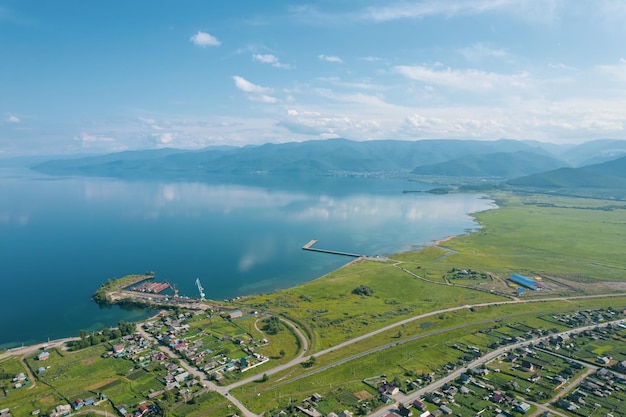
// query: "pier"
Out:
[309,246]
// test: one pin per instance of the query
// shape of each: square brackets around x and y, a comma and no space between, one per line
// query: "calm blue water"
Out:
[60,238]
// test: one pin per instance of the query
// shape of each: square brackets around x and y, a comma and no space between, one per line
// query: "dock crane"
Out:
[200,289]
[174,289]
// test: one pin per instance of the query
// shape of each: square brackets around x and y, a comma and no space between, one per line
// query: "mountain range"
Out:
[600,163]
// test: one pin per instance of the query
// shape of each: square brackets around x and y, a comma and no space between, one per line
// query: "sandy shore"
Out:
[445,239]
[30,349]
[57,343]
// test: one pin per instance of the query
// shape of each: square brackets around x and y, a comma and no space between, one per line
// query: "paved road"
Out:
[302,356]
[409,398]
[194,371]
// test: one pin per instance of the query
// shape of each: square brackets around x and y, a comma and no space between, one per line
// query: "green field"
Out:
[581,240]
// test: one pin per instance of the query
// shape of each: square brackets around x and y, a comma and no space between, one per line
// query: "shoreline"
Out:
[54,343]
[33,347]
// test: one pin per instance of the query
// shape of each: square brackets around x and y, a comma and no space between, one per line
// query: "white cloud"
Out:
[86,137]
[616,71]
[536,10]
[11,118]
[255,92]
[480,51]
[263,98]
[265,58]
[270,59]
[330,125]
[204,39]
[166,138]
[468,79]
[151,123]
[452,127]
[330,58]
[561,66]
[245,85]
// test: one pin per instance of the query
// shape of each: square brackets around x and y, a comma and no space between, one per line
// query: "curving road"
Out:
[301,357]
[408,398]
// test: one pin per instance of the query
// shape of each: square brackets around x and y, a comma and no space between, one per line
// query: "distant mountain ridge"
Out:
[312,157]
[607,175]
[524,164]
[501,164]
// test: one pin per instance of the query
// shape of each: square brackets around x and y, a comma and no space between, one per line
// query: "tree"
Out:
[363,290]
[310,362]
[273,325]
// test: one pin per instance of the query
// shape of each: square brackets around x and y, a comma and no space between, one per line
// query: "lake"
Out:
[61,237]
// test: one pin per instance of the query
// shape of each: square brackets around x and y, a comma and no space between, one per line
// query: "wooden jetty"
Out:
[309,246]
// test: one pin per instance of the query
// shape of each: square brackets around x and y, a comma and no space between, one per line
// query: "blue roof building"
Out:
[526,282]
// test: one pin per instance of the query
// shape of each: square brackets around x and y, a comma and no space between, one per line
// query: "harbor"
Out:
[151,287]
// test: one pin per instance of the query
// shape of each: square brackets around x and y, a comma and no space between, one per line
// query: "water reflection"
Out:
[71,234]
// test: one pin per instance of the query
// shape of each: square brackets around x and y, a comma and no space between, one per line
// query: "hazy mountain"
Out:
[594,152]
[608,175]
[501,164]
[312,157]
[28,161]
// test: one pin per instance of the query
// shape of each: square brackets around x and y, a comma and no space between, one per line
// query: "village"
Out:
[577,371]
[563,371]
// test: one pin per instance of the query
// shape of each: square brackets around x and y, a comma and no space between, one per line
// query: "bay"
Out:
[61,237]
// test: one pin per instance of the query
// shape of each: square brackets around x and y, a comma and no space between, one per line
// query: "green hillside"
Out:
[501,164]
[606,179]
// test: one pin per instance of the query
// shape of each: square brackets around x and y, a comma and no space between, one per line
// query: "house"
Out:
[451,391]
[78,404]
[388,389]
[61,410]
[480,371]
[5,412]
[182,376]
[42,356]
[235,314]
[41,370]
[445,409]
[497,397]
[405,412]
[528,366]
[346,413]
[522,407]
[419,405]
[119,348]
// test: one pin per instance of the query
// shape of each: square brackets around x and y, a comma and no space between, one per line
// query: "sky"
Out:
[105,76]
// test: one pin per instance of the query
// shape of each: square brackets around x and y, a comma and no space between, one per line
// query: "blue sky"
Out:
[102,76]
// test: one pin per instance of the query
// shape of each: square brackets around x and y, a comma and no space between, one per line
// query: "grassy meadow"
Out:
[581,240]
